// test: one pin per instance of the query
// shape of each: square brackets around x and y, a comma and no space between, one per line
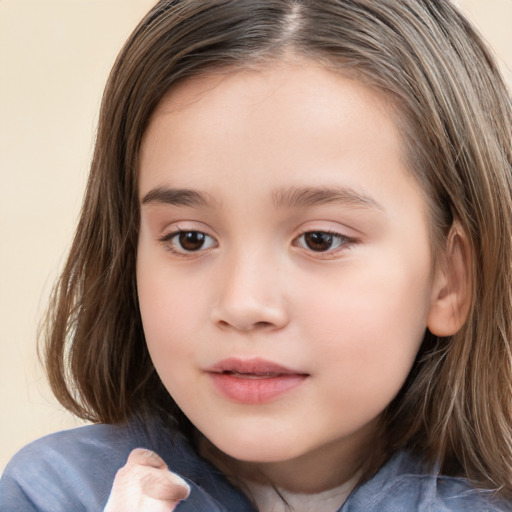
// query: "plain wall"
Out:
[55,56]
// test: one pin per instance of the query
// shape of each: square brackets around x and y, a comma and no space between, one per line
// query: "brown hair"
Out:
[456,406]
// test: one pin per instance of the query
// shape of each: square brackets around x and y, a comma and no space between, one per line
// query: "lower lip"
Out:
[255,390]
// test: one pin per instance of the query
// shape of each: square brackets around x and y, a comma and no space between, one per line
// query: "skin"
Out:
[144,484]
[350,316]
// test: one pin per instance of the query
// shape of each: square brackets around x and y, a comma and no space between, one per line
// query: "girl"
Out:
[290,286]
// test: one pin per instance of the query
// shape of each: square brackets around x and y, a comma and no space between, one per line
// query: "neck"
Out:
[275,499]
[319,480]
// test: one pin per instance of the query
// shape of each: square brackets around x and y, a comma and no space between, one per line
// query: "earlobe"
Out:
[451,290]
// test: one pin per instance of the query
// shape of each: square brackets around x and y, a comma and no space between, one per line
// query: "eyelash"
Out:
[343,242]
[167,241]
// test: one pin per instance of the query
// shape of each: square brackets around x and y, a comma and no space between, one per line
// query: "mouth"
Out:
[254,381]
[266,375]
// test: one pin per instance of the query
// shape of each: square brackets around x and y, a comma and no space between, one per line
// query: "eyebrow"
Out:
[178,197]
[293,197]
[316,196]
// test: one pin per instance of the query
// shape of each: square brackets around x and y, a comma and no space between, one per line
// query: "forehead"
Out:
[294,124]
[297,97]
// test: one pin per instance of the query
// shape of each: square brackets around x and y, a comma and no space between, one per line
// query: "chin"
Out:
[257,450]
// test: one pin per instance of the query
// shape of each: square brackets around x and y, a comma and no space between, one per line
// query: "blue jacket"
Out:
[74,470]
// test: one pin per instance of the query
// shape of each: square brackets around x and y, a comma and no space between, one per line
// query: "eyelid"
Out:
[340,237]
[166,239]
[347,241]
[182,225]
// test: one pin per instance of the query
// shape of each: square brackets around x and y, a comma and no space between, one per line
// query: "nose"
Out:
[251,295]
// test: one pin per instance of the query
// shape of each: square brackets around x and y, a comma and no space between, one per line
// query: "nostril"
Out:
[253,326]
[261,325]
[248,315]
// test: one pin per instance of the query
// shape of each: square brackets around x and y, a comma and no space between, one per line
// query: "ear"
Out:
[451,290]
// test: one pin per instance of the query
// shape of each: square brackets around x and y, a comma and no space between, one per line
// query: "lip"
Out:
[254,381]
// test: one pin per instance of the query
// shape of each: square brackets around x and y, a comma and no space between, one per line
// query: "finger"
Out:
[164,486]
[145,457]
[152,505]
[139,488]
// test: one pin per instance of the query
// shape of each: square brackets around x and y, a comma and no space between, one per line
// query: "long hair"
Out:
[454,113]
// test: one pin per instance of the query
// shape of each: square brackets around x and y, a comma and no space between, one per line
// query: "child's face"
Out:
[288,313]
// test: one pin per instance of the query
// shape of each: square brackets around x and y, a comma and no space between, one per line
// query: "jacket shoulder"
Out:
[68,470]
[406,484]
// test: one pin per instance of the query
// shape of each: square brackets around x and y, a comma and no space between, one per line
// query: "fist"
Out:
[144,484]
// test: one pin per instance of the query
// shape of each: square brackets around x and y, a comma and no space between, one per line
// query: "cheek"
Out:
[167,309]
[367,330]
[167,318]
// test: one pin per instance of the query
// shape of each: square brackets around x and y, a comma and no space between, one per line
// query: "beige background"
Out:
[54,59]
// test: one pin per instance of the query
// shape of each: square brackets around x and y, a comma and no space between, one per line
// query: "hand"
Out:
[144,484]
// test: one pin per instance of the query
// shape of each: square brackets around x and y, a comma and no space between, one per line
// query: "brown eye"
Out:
[321,241]
[189,241]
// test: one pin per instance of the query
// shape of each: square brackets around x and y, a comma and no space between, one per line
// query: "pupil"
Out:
[318,240]
[191,240]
